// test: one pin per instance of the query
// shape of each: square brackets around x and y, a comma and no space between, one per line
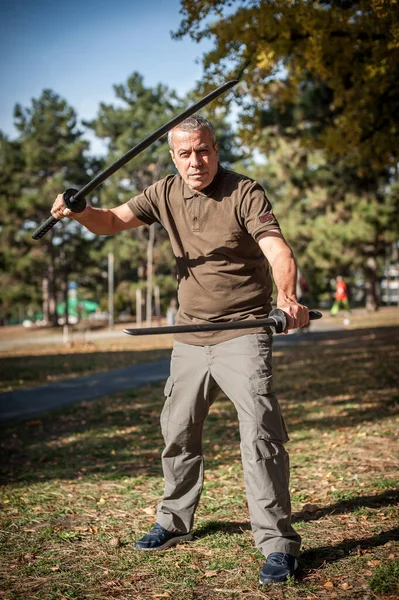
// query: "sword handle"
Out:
[280,318]
[77,206]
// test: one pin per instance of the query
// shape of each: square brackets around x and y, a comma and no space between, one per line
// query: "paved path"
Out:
[22,404]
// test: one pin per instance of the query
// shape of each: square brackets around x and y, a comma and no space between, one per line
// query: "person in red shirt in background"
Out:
[341,297]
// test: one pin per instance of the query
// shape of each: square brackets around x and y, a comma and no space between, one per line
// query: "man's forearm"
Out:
[285,274]
[100,221]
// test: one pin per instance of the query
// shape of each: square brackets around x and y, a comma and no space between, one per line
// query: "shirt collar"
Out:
[188,193]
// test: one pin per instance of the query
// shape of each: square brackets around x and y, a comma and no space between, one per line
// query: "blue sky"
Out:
[81,48]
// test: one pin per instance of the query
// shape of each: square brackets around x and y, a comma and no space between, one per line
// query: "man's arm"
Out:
[102,221]
[282,262]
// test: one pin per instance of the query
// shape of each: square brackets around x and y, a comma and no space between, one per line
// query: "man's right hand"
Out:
[59,210]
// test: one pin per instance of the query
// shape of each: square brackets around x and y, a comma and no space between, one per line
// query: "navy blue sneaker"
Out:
[160,538]
[278,567]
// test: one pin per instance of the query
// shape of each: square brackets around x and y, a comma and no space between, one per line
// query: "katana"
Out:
[277,321]
[75,199]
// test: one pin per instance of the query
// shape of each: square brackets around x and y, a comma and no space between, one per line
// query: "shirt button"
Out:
[195,219]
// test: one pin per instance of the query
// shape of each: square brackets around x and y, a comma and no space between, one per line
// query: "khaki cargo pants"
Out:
[242,369]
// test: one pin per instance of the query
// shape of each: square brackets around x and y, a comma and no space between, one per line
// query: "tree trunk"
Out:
[373,296]
[65,287]
[150,248]
[46,311]
[52,288]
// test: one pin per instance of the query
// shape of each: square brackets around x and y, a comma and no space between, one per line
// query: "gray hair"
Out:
[193,123]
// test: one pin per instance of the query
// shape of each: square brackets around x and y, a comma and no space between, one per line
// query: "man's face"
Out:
[195,157]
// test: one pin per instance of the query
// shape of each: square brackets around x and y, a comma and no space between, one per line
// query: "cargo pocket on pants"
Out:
[271,470]
[269,420]
[166,407]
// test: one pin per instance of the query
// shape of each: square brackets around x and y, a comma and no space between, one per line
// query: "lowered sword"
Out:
[277,321]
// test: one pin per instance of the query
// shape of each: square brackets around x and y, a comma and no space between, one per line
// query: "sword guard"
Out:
[280,319]
[76,206]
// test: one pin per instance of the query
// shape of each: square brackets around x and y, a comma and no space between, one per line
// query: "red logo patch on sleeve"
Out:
[267,218]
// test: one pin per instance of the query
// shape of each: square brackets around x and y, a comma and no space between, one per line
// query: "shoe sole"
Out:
[172,542]
[282,581]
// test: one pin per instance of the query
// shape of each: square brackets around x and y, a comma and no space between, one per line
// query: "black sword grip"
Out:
[280,318]
[74,205]
[44,228]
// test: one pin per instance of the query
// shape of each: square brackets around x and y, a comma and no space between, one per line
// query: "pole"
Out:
[139,308]
[157,302]
[110,291]
[150,248]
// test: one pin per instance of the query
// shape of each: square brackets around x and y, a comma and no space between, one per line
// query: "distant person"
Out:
[341,297]
[226,241]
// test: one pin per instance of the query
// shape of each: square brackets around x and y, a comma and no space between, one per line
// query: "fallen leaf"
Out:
[210,573]
[165,595]
[345,586]
[150,510]
[328,585]
[373,563]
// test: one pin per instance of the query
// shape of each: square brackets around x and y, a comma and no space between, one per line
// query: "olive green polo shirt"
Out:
[222,272]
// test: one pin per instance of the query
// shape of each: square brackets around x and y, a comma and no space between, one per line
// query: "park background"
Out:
[315,120]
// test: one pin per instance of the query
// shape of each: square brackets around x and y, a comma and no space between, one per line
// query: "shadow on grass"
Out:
[387,498]
[311,560]
[341,380]
[120,435]
[344,506]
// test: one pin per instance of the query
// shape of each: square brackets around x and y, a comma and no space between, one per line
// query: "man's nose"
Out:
[195,159]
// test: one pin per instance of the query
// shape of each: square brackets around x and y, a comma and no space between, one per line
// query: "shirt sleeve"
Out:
[146,206]
[257,211]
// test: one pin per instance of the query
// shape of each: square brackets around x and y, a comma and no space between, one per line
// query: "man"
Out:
[221,228]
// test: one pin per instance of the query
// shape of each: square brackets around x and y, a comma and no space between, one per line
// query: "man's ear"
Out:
[173,156]
[216,146]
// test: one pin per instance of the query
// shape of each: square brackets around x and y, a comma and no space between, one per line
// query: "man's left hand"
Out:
[297,315]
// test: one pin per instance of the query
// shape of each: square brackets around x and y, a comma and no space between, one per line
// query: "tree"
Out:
[338,219]
[14,294]
[321,78]
[47,157]
[351,46]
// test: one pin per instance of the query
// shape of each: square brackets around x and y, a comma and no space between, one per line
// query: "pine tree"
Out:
[48,157]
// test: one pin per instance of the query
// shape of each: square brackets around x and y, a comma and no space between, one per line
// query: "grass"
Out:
[81,484]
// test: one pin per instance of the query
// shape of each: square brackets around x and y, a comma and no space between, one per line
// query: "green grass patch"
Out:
[385,579]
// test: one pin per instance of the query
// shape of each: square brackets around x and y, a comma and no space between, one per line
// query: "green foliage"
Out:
[352,47]
[47,157]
